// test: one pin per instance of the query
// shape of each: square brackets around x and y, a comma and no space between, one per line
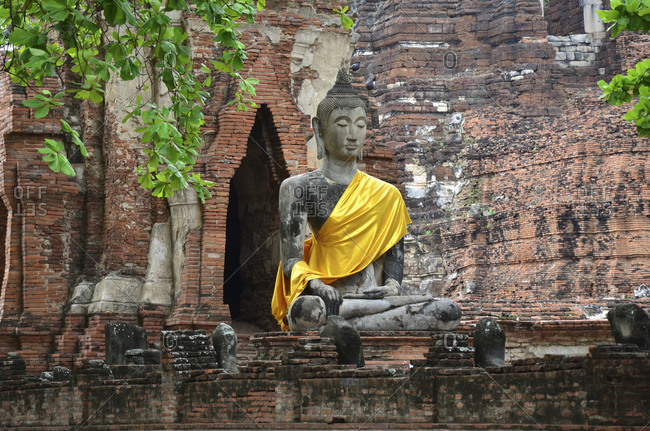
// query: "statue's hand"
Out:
[391,288]
[330,296]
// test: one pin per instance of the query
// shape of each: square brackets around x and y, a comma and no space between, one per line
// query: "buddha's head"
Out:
[340,122]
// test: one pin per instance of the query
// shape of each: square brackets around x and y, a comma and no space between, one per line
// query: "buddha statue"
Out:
[352,266]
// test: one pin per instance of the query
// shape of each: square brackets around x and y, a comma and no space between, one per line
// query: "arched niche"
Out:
[252,236]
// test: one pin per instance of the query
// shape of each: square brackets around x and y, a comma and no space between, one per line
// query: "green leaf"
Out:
[65,167]
[42,111]
[631,5]
[22,37]
[32,103]
[95,97]
[113,14]
[65,126]
[145,180]
[346,22]
[168,78]
[176,5]
[54,145]
[129,70]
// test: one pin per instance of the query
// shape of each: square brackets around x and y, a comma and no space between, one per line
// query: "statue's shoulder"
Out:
[302,179]
[299,185]
[379,185]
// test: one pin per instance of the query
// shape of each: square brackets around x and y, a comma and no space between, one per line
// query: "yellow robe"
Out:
[369,218]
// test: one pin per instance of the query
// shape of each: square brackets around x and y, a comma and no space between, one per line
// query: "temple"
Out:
[529,200]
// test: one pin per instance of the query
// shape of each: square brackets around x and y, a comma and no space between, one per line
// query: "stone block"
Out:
[630,325]
[578,38]
[120,337]
[580,64]
[61,374]
[346,339]
[589,56]
[489,343]
[143,357]
[116,294]
[224,341]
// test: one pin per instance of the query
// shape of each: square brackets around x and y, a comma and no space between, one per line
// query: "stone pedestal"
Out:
[395,349]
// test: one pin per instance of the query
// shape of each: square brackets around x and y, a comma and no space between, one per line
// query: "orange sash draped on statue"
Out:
[367,221]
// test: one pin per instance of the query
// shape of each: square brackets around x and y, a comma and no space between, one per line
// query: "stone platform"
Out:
[393,349]
[296,383]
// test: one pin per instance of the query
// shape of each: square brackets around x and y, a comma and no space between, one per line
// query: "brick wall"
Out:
[543,396]
[613,395]
[564,17]
[43,227]
[521,184]
[607,388]
[570,238]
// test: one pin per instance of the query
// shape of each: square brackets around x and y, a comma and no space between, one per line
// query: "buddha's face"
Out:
[345,133]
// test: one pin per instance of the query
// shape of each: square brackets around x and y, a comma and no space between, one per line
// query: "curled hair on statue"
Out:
[341,95]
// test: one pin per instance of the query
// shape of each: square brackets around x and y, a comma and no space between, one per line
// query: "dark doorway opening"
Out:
[6,248]
[252,240]
[233,284]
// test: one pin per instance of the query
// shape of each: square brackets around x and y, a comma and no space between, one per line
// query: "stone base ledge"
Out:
[380,348]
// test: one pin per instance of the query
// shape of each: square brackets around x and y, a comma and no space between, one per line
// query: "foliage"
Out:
[632,15]
[346,21]
[129,39]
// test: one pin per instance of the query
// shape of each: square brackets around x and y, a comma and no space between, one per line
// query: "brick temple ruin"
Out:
[530,202]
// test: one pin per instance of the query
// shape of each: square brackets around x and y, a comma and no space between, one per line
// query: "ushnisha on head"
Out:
[341,95]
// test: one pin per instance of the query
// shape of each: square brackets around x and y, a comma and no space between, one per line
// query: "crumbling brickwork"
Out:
[561,213]
[564,17]
[77,250]
[606,388]
[523,188]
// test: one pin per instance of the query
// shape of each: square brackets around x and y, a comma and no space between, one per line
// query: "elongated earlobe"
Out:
[360,156]
[318,136]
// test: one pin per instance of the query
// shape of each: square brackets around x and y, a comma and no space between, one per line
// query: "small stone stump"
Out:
[120,337]
[224,340]
[630,325]
[489,343]
[346,339]
[61,374]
